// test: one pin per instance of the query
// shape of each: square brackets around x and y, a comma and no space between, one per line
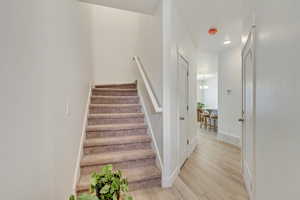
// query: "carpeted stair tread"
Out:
[115,115]
[115,108]
[114,90]
[124,98]
[132,175]
[122,85]
[116,157]
[115,127]
[117,140]
[114,105]
[115,97]
[115,100]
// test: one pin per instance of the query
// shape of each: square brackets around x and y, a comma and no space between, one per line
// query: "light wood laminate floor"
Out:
[213,172]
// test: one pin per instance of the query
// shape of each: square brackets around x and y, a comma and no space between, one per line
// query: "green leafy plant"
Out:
[84,197]
[200,105]
[108,184]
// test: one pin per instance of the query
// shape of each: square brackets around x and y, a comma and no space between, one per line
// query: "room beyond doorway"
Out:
[207,92]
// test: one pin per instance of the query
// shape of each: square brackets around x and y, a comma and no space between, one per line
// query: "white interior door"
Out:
[183,98]
[248,160]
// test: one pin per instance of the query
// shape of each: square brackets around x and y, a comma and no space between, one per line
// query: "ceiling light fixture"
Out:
[227,42]
[212,31]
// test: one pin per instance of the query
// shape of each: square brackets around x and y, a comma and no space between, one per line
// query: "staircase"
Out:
[117,134]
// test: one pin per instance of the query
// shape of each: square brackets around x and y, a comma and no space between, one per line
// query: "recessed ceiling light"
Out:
[227,42]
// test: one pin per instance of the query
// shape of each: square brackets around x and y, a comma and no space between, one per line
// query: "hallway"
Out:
[211,173]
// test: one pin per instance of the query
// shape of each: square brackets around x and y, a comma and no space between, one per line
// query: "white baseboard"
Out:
[167,181]
[159,162]
[229,138]
[192,146]
[82,139]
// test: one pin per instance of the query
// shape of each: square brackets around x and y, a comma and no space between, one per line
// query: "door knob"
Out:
[241,119]
[181,118]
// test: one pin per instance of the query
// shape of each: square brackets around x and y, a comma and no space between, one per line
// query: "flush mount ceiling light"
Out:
[227,42]
[212,31]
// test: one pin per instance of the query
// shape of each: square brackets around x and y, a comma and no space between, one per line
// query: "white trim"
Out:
[187,120]
[168,181]
[153,99]
[82,139]
[151,133]
[192,146]
[248,180]
[168,154]
[229,138]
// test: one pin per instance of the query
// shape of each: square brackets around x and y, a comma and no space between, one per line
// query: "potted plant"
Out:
[200,105]
[108,184]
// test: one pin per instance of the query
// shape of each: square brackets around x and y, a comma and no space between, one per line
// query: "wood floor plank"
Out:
[213,172]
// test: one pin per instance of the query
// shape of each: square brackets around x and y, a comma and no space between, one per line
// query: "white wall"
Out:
[114,40]
[230,104]
[149,49]
[175,36]
[277,136]
[44,63]
[211,94]
[118,35]
[207,63]
[141,6]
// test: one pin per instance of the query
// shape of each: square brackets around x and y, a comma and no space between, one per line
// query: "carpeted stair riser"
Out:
[117,147]
[132,120]
[115,109]
[121,165]
[114,100]
[116,133]
[118,86]
[113,93]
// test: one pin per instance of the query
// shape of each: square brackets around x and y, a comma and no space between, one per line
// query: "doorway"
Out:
[183,107]
[207,94]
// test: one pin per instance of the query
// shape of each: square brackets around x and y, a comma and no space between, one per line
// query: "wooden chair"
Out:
[199,115]
[206,119]
[214,121]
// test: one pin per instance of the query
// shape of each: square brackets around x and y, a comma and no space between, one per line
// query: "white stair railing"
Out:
[157,107]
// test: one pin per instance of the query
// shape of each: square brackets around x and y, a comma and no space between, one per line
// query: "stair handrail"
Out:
[157,107]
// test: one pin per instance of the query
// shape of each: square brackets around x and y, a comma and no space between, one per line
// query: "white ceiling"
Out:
[200,15]
[142,6]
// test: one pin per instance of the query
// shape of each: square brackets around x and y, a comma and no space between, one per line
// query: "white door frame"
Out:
[249,48]
[180,162]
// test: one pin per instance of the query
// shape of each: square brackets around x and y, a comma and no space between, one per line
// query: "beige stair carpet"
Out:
[117,134]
